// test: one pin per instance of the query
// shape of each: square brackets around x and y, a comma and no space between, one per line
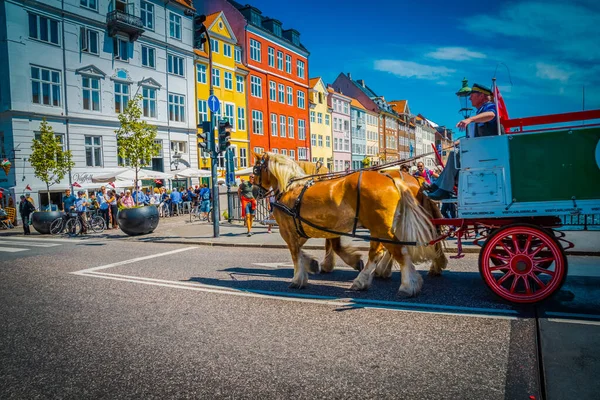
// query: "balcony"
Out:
[119,21]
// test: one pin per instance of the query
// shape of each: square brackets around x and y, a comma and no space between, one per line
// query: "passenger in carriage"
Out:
[485,125]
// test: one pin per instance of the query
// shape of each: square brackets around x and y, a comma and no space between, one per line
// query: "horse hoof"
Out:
[359,286]
[360,265]
[406,294]
[314,267]
[295,285]
[434,273]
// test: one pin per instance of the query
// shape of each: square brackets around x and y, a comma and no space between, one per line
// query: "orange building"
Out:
[278,117]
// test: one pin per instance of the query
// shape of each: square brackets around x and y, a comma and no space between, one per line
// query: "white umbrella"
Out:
[128,174]
[246,171]
[191,173]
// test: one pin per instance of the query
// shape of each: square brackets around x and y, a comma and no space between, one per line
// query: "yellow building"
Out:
[321,135]
[229,85]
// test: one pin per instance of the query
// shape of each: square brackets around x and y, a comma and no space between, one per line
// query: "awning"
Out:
[245,171]
[191,173]
[128,174]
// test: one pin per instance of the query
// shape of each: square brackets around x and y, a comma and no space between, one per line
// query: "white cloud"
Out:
[442,83]
[551,72]
[411,69]
[455,54]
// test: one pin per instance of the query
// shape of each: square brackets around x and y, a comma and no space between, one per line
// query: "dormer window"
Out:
[277,30]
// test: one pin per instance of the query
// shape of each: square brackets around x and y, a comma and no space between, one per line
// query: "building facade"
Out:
[406,137]
[358,116]
[425,138]
[78,67]
[341,123]
[321,134]
[229,79]
[278,118]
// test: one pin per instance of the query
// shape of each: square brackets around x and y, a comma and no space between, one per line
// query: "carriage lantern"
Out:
[463,97]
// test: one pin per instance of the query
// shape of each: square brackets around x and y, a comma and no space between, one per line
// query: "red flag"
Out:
[28,188]
[158,181]
[75,184]
[111,184]
[502,111]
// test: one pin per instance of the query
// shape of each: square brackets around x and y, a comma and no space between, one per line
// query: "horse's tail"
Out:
[412,224]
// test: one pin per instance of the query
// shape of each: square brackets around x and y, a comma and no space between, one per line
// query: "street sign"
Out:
[213,103]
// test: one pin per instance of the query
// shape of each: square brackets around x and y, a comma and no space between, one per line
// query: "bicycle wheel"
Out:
[73,227]
[96,224]
[57,226]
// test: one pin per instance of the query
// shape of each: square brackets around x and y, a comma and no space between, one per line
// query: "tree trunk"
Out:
[135,185]
[48,191]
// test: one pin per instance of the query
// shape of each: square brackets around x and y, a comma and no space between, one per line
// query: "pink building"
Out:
[340,116]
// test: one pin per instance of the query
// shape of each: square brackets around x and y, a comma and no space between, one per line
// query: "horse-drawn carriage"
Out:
[515,186]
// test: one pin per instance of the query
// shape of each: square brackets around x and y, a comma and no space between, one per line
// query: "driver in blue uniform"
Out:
[485,125]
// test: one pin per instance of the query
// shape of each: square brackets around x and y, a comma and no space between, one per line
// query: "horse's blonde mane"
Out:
[283,170]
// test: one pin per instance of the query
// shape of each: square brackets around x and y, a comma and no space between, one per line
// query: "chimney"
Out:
[349,75]
[361,82]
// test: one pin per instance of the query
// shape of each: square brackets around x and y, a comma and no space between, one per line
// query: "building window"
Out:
[271,57]
[291,127]
[281,93]
[282,125]
[148,57]
[175,65]
[121,49]
[301,130]
[178,147]
[272,91]
[149,102]
[202,111]
[45,86]
[216,77]
[175,26]
[312,117]
[256,86]
[201,73]
[300,99]
[229,114]
[176,108]
[293,154]
[239,83]
[227,50]
[274,151]
[288,64]
[320,118]
[237,53]
[91,93]
[241,119]
[93,151]
[255,50]
[345,108]
[327,141]
[302,153]
[228,78]
[44,29]
[147,14]
[91,4]
[89,40]
[320,140]
[273,124]
[243,158]
[214,45]
[313,139]
[335,144]
[300,68]
[257,122]
[121,97]
[280,60]
[327,119]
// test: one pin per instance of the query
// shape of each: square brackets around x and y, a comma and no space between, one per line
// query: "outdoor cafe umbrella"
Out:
[243,172]
[192,173]
[128,174]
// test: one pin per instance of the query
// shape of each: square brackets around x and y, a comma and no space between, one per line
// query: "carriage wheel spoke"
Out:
[499,267]
[543,271]
[515,242]
[539,261]
[514,283]
[537,280]
[505,277]
[536,251]
[527,286]
[510,253]
[499,257]
[527,244]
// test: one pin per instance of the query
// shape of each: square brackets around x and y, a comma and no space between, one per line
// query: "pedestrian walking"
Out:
[103,198]
[204,195]
[248,202]
[25,210]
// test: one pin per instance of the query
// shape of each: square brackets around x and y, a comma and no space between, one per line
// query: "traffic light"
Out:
[224,135]
[199,31]
[207,136]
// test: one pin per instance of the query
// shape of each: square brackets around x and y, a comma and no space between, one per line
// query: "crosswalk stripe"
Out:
[32,244]
[38,238]
[10,249]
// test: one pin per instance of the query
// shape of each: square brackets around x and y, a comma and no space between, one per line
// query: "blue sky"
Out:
[420,51]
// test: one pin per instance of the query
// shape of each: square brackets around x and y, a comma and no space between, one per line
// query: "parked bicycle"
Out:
[72,225]
[196,214]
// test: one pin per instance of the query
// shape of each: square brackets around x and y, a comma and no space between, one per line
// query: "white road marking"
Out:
[572,315]
[32,244]
[275,264]
[11,249]
[574,321]
[133,260]
[35,238]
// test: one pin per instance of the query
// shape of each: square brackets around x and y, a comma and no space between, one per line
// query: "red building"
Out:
[277,83]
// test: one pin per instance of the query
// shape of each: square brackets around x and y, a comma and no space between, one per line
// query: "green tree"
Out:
[135,138]
[49,161]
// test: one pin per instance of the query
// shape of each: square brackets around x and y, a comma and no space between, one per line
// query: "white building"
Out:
[425,138]
[78,66]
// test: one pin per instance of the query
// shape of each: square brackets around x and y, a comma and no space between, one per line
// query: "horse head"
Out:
[277,171]
[261,171]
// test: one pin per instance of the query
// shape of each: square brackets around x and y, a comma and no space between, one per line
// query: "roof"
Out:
[356,103]
[398,105]
[210,19]
[186,3]
[333,91]
[201,53]
[313,81]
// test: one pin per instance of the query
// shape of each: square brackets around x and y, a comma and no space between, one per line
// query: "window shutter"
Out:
[83,38]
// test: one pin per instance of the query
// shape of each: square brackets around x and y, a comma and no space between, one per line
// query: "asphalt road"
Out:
[114,319]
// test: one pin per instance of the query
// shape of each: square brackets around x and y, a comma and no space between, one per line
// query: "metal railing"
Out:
[585,221]
[262,210]
[126,18]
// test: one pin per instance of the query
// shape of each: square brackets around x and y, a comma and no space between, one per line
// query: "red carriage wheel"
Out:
[523,263]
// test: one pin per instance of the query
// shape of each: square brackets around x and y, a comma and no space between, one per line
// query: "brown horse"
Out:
[387,208]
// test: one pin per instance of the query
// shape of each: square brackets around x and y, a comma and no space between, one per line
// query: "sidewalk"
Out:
[179,230]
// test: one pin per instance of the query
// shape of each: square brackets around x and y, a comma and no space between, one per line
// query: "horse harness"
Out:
[294,212]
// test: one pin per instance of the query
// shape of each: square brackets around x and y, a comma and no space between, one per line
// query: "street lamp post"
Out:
[463,97]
